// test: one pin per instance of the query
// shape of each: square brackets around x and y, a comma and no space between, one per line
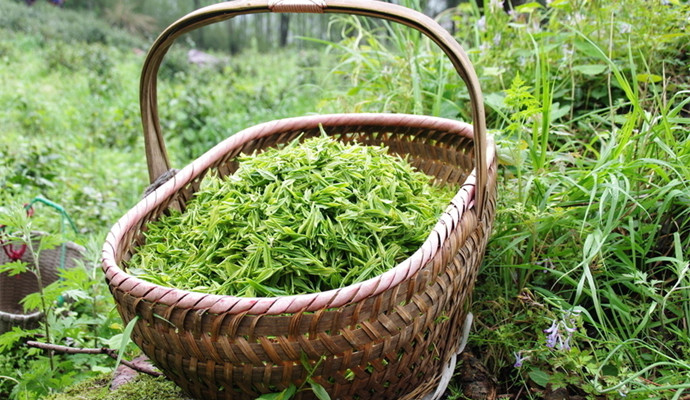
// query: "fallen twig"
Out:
[103,350]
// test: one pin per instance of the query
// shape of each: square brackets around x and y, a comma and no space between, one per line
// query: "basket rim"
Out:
[309,302]
[12,317]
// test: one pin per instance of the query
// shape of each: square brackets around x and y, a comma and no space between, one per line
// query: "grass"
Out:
[589,103]
[593,221]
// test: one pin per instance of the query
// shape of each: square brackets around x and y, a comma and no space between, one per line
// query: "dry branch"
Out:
[103,350]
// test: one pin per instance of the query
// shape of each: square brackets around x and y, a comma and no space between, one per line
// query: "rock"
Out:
[124,374]
[476,381]
[557,394]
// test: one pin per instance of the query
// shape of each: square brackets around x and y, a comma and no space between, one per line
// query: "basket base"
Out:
[450,367]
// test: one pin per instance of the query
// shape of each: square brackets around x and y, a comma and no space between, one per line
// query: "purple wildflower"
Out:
[519,359]
[560,333]
[552,338]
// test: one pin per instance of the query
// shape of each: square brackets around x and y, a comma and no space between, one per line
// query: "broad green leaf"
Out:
[528,7]
[560,3]
[610,370]
[284,395]
[557,111]
[495,100]
[587,48]
[653,78]
[590,69]
[319,391]
[539,377]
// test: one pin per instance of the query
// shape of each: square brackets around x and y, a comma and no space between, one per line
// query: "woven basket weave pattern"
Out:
[389,337]
[389,342]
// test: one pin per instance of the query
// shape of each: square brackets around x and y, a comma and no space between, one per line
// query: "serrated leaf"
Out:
[31,302]
[47,242]
[9,339]
[13,268]
[76,294]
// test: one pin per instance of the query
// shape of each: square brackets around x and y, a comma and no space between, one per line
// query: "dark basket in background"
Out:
[14,288]
[391,337]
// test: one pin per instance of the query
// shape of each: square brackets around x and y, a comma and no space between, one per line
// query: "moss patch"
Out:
[142,387]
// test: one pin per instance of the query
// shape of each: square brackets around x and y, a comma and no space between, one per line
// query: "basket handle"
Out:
[156,155]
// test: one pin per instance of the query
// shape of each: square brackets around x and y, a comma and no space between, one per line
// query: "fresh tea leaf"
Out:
[309,217]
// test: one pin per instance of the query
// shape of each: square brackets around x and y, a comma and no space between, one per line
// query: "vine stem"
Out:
[112,353]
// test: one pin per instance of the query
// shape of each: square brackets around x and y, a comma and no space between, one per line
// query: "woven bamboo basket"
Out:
[390,337]
[14,288]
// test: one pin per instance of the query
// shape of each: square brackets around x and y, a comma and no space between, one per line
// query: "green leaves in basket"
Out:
[305,218]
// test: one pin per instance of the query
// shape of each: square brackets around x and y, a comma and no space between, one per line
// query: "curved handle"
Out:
[156,154]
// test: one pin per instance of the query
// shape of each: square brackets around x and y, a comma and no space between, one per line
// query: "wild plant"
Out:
[587,203]
[76,311]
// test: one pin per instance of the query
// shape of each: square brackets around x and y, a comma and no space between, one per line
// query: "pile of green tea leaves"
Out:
[305,218]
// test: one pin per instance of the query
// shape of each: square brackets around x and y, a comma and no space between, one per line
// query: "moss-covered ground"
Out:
[142,387]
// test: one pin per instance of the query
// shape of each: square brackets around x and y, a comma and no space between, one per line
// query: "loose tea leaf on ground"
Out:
[309,217]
